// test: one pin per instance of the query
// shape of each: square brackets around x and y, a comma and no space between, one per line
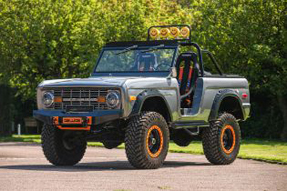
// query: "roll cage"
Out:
[174,43]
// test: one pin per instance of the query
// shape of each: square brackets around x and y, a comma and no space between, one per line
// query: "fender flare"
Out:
[218,100]
[143,96]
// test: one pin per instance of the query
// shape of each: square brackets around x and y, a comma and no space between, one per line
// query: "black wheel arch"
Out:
[227,101]
[148,100]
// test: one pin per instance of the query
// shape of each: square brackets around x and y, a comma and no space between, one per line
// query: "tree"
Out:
[5,110]
[45,39]
[250,36]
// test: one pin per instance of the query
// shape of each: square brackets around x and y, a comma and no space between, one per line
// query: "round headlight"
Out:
[48,99]
[113,99]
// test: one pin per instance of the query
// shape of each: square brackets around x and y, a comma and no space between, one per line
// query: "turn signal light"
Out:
[101,99]
[133,98]
[58,99]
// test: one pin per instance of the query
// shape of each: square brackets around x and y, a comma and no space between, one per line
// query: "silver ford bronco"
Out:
[145,94]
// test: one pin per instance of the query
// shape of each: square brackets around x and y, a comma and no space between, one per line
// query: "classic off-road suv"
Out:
[144,94]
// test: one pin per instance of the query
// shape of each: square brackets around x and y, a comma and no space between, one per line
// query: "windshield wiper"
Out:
[127,49]
[153,48]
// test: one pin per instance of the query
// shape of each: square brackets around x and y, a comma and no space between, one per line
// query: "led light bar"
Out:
[169,32]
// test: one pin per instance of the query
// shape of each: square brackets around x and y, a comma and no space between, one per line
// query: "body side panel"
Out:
[166,88]
[206,91]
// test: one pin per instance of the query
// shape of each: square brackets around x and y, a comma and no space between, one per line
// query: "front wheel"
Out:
[63,148]
[146,140]
[221,141]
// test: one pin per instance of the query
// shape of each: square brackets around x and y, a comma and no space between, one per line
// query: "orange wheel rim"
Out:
[227,139]
[154,141]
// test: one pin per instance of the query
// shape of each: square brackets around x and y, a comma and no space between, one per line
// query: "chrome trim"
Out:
[79,96]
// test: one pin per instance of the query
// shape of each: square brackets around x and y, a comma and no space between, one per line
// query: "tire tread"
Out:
[210,140]
[52,151]
[134,139]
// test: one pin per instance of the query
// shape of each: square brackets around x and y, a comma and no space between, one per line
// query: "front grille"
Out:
[78,97]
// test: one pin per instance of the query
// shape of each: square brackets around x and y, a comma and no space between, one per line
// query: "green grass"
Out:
[264,150]
[257,149]
[272,151]
[22,138]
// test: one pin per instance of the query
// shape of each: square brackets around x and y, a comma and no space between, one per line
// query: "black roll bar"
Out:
[199,52]
[212,58]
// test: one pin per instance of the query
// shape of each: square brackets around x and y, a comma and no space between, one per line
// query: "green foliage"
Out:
[249,38]
[45,39]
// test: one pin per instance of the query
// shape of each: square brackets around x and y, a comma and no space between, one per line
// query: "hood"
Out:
[93,81]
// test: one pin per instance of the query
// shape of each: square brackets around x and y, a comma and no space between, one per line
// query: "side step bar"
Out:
[189,124]
[190,127]
[191,132]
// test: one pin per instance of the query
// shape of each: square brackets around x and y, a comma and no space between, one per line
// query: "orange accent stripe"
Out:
[161,141]
[233,136]
[190,73]
[74,128]
[189,78]
[56,120]
[89,120]
[180,73]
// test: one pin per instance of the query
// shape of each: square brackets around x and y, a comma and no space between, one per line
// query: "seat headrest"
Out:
[149,59]
[146,56]
[188,56]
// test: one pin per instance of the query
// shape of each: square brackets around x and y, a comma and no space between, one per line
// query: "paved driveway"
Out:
[23,167]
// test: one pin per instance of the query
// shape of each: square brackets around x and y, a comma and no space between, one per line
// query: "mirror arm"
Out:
[172,73]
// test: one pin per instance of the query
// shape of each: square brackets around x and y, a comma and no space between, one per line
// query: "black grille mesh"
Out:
[91,95]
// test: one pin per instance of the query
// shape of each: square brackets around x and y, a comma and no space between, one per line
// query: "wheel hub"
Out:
[70,140]
[154,141]
[228,139]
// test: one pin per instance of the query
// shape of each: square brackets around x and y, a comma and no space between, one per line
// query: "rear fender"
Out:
[218,100]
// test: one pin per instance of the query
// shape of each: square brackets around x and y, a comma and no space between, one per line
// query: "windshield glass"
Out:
[131,59]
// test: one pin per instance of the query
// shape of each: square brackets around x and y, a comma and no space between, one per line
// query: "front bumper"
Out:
[97,117]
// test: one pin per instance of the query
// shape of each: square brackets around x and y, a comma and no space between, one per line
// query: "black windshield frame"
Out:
[168,44]
[146,46]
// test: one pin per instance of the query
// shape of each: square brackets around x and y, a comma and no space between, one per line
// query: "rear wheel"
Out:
[221,141]
[63,148]
[146,140]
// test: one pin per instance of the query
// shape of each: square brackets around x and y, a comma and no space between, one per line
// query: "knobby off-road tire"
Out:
[221,141]
[63,148]
[146,140]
